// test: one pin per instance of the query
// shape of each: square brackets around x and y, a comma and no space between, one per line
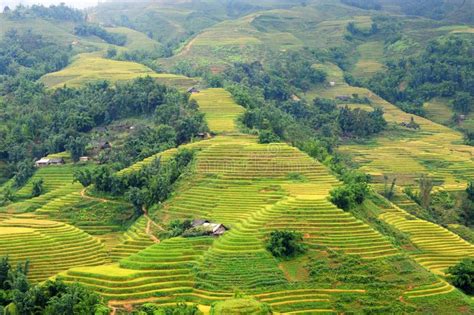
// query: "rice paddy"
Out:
[437,248]
[252,189]
[90,67]
[220,109]
[370,60]
[406,153]
[51,247]
[247,187]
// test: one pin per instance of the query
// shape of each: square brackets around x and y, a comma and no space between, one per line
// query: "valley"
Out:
[184,138]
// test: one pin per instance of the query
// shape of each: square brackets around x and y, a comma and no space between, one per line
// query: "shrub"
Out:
[462,275]
[267,136]
[352,193]
[285,244]
[178,309]
[240,306]
[38,187]
[470,191]
[342,197]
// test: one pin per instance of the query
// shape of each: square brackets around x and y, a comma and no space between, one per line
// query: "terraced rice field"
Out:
[220,109]
[434,150]
[437,248]
[370,60]
[54,177]
[92,67]
[437,288]
[51,247]
[248,187]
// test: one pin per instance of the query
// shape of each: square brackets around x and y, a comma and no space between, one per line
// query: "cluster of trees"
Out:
[361,123]
[353,29]
[460,11]
[54,121]
[285,244]
[57,12]
[18,296]
[444,69]
[274,109]
[353,192]
[286,74]
[467,206]
[178,309]
[150,185]
[25,55]
[462,275]
[87,29]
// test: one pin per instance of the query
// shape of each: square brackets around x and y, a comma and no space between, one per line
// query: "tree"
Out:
[38,187]
[285,244]
[83,176]
[470,191]
[25,170]
[389,192]
[342,197]
[426,186]
[462,275]
[267,136]
[139,198]
[463,103]
[77,147]
[4,269]
[178,309]
[75,299]
[111,52]
[353,192]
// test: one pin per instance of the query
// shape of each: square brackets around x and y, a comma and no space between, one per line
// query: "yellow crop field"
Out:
[220,109]
[50,246]
[92,67]
[412,152]
[248,187]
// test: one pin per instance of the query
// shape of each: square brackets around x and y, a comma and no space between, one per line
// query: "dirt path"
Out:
[188,46]
[83,195]
[149,224]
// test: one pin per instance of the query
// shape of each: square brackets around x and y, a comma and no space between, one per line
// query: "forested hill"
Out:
[452,10]
[237,157]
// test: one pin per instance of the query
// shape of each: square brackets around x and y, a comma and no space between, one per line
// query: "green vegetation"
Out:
[96,30]
[178,309]
[240,306]
[285,244]
[51,297]
[462,275]
[322,196]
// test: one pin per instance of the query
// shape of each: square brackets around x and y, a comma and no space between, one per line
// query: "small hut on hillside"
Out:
[193,90]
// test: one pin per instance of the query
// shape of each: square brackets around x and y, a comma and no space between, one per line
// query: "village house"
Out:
[215,229]
[84,159]
[343,98]
[193,90]
[49,161]
[102,145]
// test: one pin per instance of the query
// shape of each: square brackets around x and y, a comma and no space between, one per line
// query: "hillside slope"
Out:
[254,189]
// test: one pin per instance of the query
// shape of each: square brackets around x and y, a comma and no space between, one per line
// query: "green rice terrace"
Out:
[234,157]
[252,189]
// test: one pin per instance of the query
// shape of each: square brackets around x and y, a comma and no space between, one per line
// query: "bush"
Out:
[462,275]
[352,193]
[285,244]
[342,197]
[267,136]
[240,306]
[178,309]
[38,187]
